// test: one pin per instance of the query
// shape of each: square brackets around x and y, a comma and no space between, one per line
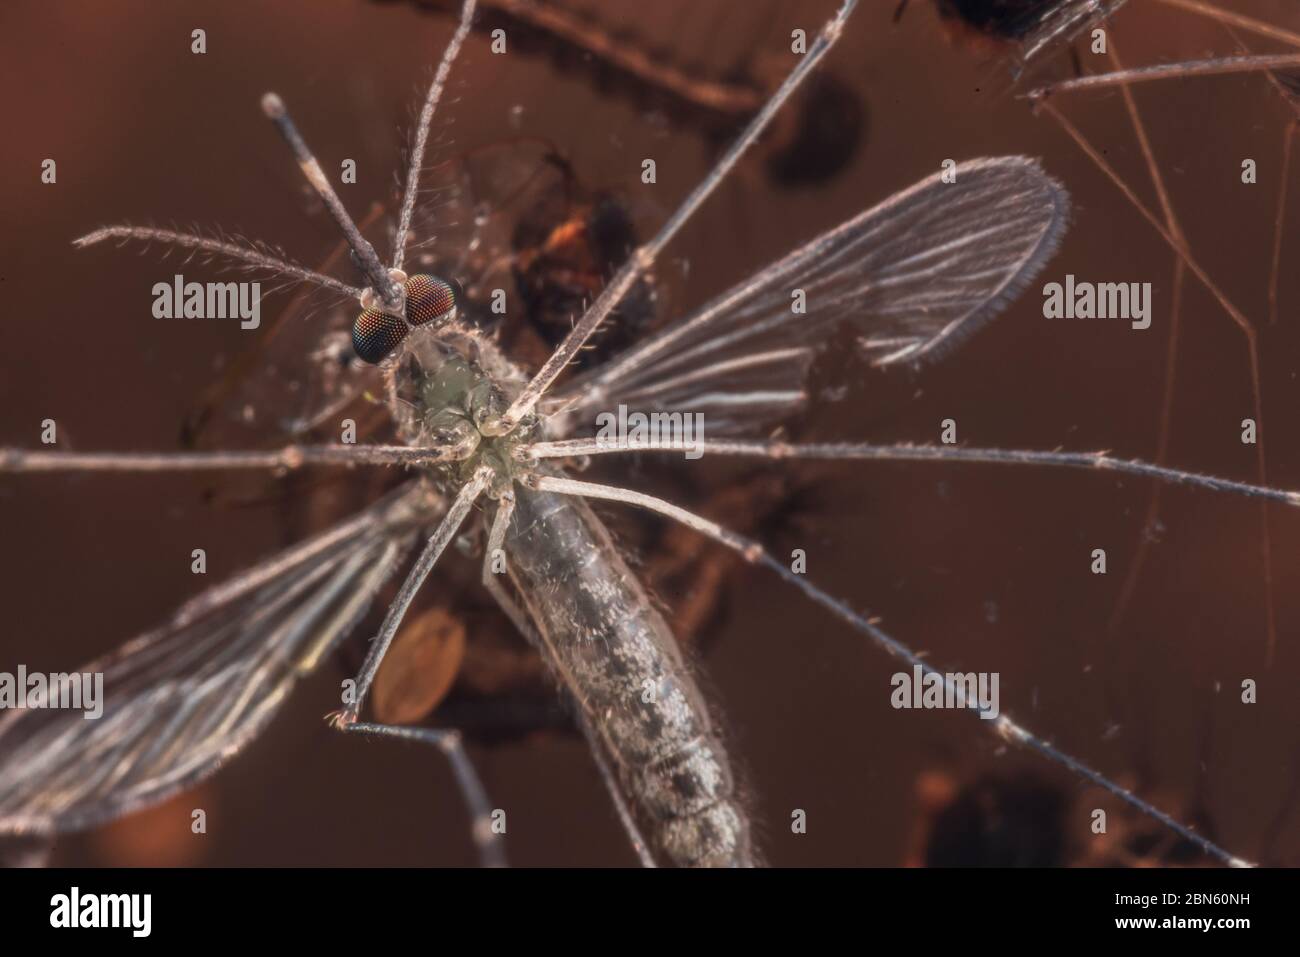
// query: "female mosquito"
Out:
[912,276]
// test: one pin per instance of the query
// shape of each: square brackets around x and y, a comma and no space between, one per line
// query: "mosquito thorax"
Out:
[379,330]
[447,384]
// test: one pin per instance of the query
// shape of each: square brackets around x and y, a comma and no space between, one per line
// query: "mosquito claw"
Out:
[340,720]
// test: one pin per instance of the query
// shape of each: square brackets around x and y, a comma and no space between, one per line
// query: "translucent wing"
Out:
[912,276]
[180,700]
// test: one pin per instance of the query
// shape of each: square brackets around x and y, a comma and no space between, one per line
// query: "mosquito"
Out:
[913,276]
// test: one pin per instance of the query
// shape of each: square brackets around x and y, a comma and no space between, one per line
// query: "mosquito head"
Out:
[376,333]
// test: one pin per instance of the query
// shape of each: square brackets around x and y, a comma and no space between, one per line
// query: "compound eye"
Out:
[429,299]
[375,334]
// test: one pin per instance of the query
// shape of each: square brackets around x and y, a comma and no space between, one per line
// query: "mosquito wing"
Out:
[179,701]
[912,276]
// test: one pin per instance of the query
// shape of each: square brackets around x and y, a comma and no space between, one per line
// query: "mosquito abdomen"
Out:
[612,650]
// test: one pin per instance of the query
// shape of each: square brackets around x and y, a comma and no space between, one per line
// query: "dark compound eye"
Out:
[375,334]
[428,299]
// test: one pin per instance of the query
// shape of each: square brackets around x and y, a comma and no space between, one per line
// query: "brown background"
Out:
[983,568]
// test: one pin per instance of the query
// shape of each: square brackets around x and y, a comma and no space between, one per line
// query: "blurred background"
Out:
[1137,672]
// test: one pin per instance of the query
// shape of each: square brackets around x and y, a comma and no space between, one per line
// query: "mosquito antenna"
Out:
[251,253]
[363,253]
[422,130]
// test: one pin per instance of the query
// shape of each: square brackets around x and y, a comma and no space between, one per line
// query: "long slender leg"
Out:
[496,541]
[1217,66]
[1288,140]
[503,598]
[1099,461]
[288,458]
[1134,572]
[1227,17]
[422,131]
[490,845]
[253,254]
[755,554]
[643,258]
[460,507]
[1237,317]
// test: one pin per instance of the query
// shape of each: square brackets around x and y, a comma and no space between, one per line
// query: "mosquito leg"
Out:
[422,131]
[1133,574]
[841,451]
[1290,93]
[1237,317]
[1288,141]
[495,546]
[451,522]
[1131,578]
[251,254]
[629,54]
[496,541]
[755,554]
[1218,66]
[491,845]
[1099,161]
[643,258]
[288,458]
[1231,19]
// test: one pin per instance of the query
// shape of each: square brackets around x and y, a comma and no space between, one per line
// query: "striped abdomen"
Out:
[614,653]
